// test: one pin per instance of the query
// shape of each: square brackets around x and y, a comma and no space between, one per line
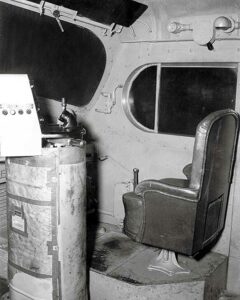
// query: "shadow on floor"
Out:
[3,286]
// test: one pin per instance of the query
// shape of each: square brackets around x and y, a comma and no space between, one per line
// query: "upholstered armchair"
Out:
[187,215]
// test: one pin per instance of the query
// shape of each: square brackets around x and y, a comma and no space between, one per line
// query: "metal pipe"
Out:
[135,178]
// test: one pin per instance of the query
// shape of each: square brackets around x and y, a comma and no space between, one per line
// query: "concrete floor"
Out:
[121,264]
[118,270]
[224,296]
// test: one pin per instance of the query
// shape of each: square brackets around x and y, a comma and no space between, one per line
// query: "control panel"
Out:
[13,109]
[20,133]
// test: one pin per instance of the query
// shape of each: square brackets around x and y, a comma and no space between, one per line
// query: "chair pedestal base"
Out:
[166,262]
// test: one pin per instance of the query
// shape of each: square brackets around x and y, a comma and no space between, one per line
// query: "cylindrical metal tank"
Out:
[47,224]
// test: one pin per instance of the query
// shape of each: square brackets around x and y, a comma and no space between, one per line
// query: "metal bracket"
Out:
[166,263]
[69,15]
[57,12]
[115,28]
[175,27]
[109,101]
[63,12]
[51,247]
[41,7]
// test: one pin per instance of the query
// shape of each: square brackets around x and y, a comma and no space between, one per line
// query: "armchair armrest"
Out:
[178,188]
[150,208]
[187,170]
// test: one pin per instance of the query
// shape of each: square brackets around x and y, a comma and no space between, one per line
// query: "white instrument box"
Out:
[20,132]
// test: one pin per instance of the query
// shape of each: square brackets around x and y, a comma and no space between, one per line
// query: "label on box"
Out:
[18,223]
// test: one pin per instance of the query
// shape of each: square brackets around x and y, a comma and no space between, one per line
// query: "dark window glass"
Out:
[187,95]
[142,97]
[66,64]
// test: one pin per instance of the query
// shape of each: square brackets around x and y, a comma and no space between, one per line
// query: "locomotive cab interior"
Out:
[120,92]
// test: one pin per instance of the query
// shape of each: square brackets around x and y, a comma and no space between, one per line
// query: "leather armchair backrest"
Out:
[214,147]
[212,165]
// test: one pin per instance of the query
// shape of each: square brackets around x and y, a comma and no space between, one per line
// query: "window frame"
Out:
[125,97]
[134,74]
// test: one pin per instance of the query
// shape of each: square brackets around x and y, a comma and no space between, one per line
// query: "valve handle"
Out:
[56,14]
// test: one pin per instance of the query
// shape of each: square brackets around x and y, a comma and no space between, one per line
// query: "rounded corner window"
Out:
[174,98]
[140,109]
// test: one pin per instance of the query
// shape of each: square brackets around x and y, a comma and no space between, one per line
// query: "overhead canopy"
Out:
[122,12]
